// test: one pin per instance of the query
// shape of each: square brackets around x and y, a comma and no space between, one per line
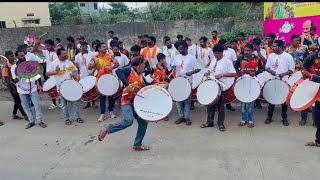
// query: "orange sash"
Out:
[136,83]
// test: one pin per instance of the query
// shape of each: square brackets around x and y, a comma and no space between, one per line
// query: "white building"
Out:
[89,8]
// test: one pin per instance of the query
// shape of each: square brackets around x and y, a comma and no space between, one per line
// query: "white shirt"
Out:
[205,55]
[66,68]
[230,54]
[108,43]
[192,50]
[222,66]
[154,60]
[170,54]
[280,63]
[50,57]
[262,51]
[79,47]
[23,87]
[185,64]
[83,62]
[32,57]
[122,60]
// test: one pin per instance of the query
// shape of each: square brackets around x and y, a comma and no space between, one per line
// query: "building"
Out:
[89,8]
[24,14]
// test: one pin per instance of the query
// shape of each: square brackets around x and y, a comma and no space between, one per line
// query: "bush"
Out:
[229,36]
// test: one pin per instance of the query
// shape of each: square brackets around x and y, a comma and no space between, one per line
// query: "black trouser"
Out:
[17,103]
[192,102]
[221,112]
[317,120]
[258,101]
[304,114]
[284,110]
[44,71]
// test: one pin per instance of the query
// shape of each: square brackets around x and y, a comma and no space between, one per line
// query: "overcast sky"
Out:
[129,4]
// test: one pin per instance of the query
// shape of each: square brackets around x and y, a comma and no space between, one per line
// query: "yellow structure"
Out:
[24,14]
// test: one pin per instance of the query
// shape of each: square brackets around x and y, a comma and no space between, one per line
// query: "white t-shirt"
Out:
[88,47]
[185,64]
[23,87]
[66,68]
[170,54]
[205,55]
[50,57]
[280,63]
[83,62]
[263,53]
[122,60]
[154,60]
[192,50]
[223,66]
[32,57]
[230,54]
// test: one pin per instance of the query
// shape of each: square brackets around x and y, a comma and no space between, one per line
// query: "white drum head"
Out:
[276,91]
[148,107]
[264,77]
[208,91]
[304,94]
[295,77]
[49,84]
[179,89]
[88,83]
[247,89]
[71,90]
[197,78]
[108,85]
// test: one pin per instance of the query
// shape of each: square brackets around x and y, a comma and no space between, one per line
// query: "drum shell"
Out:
[91,95]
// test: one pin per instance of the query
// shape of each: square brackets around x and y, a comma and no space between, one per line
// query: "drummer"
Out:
[82,60]
[103,62]
[223,70]
[252,65]
[133,81]
[279,63]
[27,92]
[63,69]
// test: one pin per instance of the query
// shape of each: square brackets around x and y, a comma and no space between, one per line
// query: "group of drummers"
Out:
[213,73]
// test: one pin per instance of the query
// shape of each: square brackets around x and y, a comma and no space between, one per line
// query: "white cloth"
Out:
[50,57]
[280,63]
[32,57]
[67,66]
[192,50]
[223,66]
[185,64]
[23,87]
[230,54]
[154,60]
[123,60]
[170,54]
[83,63]
[205,55]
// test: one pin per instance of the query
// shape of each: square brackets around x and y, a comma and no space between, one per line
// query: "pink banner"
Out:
[285,28]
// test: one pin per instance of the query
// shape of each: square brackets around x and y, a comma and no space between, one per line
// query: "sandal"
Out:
[1,123]
[141,148]
[29,125]
[188,122]
[285,122]
[67,122]
[222,128]
[207,125]
[312,144]
[79,120]
[242,123]
[102,134]
[42,124]
[166,118]
[302,122]
[251,125]
[180,120]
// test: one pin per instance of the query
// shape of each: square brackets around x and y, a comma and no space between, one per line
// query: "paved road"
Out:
[59,152]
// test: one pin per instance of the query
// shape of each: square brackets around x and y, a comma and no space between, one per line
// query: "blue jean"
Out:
[102,100]
[34,97]
[128,117]
[75,109]
[247,111]
[184,108]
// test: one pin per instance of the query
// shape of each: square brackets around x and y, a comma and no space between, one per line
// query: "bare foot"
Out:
[102,134]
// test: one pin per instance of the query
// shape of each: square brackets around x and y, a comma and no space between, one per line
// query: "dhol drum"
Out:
[50,86]
[179,89]
[119,92]
[293,78]
[90,90]
[264,77]
[196,79]
[230,97]
[108,84]
[303,94]
[275,91]
[247,89]
[209,92]
[71,90]
[146,103]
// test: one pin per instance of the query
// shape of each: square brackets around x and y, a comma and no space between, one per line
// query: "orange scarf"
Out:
[214,42]
[146,52]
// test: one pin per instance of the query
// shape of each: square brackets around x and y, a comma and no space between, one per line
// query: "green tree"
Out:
[66,12]
[118,8]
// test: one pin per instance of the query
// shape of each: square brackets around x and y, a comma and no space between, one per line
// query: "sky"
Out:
[129,4]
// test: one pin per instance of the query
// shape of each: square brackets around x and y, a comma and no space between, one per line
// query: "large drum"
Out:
[275,91]
[293,78]
[71,90]
[196,79]
[247,89]
[50,86]
[230,97]
[209,92]
[108,85]
[179,89]
[303,94]
[148,100]
[90,90]
[264,77]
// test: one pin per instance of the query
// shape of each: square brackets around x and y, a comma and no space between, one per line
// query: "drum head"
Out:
[179,89]
[88,83]
[276,91]
[108,85]
[247,89]
[197,78]
[71,90]
[208,92]
[304,95]
[264,77]
[295,77]
[148,107]
[49,84]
